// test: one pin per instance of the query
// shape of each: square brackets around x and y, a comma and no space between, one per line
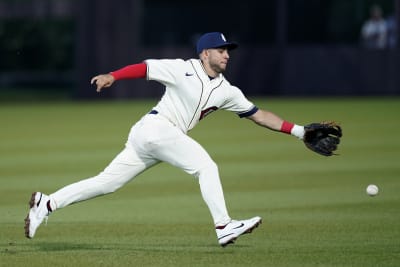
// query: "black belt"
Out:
[153,112]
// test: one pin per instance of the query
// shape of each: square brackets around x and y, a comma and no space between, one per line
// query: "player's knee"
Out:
[109,184]
[108,189]
[209,169]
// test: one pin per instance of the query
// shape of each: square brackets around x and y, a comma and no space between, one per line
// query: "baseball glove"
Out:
[322,138]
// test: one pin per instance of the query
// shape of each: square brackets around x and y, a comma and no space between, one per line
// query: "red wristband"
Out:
[130,72]
[287,127]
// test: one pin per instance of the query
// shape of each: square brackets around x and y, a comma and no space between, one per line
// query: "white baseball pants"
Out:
[151,140]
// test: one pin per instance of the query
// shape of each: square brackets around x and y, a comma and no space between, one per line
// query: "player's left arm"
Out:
[273,122]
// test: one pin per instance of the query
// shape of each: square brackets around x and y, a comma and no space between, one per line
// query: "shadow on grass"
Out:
[14,248]
[30,247]
[65,246]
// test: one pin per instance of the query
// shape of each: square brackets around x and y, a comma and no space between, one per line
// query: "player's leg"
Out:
[169,144]
[125,166]
[180,150]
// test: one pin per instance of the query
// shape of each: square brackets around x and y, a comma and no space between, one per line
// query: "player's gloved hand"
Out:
[102,81]
[322,138]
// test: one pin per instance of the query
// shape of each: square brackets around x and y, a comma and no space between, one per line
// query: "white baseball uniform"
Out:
[161,135]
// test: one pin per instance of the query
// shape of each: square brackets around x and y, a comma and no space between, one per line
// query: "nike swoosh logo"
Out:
[189,74]
[225,236]
[240,226]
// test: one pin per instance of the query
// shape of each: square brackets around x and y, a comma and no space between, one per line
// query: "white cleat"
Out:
[37,213]
[234,229]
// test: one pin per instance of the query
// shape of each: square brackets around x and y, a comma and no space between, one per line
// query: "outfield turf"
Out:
[315,209]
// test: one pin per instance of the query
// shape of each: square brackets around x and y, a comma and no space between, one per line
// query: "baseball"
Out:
[372,190]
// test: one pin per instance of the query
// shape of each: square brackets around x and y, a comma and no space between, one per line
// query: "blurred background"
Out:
[51,48]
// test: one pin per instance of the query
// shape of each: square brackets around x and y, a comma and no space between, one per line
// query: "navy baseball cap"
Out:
[213,40]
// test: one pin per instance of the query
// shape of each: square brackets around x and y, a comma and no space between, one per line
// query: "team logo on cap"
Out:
[223,37]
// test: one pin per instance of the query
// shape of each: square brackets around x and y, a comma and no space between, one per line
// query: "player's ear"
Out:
[206,52]
[203,54]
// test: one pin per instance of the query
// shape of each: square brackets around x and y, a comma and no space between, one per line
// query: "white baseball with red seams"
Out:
[372,190]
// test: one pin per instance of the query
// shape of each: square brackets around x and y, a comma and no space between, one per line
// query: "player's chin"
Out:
[222,67]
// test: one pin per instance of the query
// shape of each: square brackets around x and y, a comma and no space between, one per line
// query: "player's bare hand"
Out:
[102,81]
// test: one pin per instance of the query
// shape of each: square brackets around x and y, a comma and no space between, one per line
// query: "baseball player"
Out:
[193,89]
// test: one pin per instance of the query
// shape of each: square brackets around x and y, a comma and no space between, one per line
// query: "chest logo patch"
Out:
[207,111]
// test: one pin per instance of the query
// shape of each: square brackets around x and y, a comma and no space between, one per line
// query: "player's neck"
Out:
[209,71]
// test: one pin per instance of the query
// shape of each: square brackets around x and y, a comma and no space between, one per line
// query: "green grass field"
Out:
[315,209]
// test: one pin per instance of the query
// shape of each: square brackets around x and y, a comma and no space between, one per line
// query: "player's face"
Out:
[218,59]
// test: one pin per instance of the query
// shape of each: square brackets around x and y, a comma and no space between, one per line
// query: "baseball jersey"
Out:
[190,94]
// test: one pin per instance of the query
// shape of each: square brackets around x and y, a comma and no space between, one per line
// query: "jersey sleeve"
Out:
[163,70]
[238,103]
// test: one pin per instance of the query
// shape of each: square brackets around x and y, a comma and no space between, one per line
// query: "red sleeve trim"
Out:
[287,127]
[130,72]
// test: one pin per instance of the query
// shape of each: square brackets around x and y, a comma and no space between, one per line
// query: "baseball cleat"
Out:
[37,213]
[230,232]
